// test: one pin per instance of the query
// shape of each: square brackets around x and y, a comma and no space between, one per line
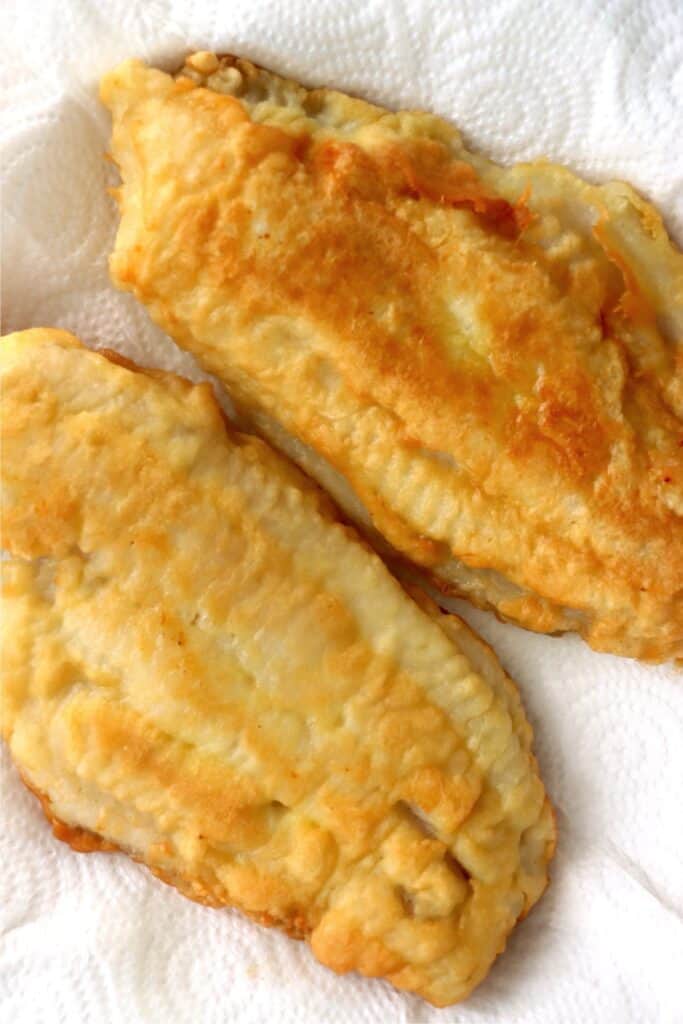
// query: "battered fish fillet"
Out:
[204,667]
[483,365]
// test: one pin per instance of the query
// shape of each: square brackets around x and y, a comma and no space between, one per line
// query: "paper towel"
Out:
[598,86]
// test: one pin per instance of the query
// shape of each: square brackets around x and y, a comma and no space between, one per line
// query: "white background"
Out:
[598,86]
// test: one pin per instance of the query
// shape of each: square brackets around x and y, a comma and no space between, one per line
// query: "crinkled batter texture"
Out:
[204,667]
[483,365]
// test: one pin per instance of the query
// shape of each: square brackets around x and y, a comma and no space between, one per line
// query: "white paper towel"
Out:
[596,85]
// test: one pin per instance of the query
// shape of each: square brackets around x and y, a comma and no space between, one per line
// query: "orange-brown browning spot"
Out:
[420,168]
[579,439]
[339,943]
[120,360]
[295,924]
[451,798]
[79,839]
[561,419]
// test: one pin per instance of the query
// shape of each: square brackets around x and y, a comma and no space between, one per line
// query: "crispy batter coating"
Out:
[483,365]
[204,667]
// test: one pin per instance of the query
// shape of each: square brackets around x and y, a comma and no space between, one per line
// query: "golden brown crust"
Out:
[203,667]
[488,359]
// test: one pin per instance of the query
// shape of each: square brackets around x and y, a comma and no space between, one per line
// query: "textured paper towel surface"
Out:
[596,85]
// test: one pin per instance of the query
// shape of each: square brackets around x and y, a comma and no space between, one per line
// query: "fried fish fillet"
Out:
[483,365]
[204,667]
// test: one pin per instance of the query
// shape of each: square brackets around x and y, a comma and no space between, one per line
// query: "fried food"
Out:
[203,667]
[482,364]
